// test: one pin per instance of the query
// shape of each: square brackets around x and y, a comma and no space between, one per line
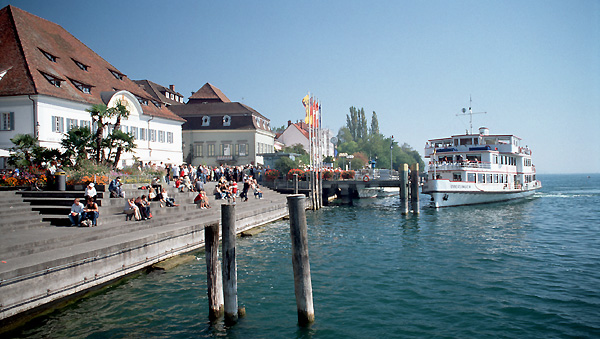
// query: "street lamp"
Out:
[350,157]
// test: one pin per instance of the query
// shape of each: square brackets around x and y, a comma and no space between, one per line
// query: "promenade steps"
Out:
[111,222]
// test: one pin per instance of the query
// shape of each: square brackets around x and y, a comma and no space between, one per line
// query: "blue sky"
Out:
[534,66]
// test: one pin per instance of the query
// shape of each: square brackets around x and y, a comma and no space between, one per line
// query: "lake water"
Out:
[522,269]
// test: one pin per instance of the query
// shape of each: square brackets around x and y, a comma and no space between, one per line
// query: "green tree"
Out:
[78,144]
[23,151]
[284,165]
[374,125]
[123,142]
[100,116]
[363,131]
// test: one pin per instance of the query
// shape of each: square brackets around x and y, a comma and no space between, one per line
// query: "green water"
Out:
[524,269]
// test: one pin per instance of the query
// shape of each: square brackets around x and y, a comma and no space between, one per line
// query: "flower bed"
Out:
[271,174]
[290,174]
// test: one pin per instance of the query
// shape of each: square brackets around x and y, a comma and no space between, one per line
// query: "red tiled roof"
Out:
[25,37]
[243,117]
[157,91]
[209,93]
[299,126]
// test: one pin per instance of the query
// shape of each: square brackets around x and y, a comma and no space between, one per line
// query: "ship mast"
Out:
[470,114]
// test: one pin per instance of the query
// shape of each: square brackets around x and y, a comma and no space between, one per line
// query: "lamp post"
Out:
[350,157]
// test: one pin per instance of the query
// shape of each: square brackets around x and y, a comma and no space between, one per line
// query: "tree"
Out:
[78,144]
[363,131]
[284,164]
[23,150]
[124,142]
[100,114]
[352,123]
[374,125]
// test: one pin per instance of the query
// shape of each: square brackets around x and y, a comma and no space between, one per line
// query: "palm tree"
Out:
[78,143]
[23,150]
[100,113]
[124,142]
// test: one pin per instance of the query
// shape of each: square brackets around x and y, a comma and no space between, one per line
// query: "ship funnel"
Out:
[484,131]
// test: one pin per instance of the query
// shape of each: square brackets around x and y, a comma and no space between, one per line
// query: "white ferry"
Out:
[478,168]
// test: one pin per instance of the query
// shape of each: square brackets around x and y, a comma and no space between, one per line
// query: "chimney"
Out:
[289,123]
[172,87]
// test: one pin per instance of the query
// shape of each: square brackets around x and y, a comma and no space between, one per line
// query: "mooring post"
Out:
[213,272]
[229,264]
[295,183]
[404,188]
[302,281]
[414,187]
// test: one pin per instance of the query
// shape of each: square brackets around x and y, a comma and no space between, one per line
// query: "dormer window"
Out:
[52,79]
[226,120]
[117,74]
[81,86]
[48,55]
[80,65]
[206,120]
[142,101]
[156,103]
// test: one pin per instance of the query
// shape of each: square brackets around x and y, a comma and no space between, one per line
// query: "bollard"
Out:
[295,183]
[301,265]
[213,272]
[404,189]
[414,188]
[229,265]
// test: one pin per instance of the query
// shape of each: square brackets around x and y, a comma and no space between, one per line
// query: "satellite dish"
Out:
[333,140]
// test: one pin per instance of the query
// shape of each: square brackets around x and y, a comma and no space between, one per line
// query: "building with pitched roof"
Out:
[218,131]
[48,78]
[297,133]
[167,95]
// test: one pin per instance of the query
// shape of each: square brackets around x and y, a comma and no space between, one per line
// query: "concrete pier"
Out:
[41,264]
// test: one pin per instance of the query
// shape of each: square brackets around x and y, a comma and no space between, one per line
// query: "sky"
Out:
[532,66]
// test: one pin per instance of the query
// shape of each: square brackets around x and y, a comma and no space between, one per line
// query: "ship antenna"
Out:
[470,114]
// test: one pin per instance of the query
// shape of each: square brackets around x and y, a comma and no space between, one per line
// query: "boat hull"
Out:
[441,196]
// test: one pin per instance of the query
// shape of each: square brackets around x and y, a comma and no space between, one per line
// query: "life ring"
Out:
[366,178]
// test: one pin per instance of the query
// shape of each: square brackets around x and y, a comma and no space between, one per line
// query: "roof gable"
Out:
[209,93]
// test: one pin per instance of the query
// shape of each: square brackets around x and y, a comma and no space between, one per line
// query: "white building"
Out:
[48,78]
[297,133]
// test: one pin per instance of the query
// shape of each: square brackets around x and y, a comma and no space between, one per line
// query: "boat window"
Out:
[466,141]
[489,178]
[474,158]
[481,178]
[476,141]
[471,177]
[456,177]
[496,178]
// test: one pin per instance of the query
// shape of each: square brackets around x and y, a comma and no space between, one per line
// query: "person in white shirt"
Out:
[76,213]
[90,191]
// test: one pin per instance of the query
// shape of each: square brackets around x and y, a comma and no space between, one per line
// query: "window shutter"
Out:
[53,123]
[62,125]
[12,121]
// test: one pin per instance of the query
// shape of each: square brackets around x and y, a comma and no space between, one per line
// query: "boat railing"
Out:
[454,166]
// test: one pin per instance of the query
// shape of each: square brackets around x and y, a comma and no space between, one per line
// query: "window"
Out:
[243,151]
[80,65]
[226,120]
[117,74]
[58,124]
[7,122]
[495,178]
[206,120]
[85,123]
[226,149]
[71,123]
[52,79]
[152,134]
[481,178]
[170,137]
[48,55]
[161,136]
[81,86]
[142,134]
[156,103]
[471,177]
[142,101]
[134,132]
[198,150]
[211,150]
[456,177]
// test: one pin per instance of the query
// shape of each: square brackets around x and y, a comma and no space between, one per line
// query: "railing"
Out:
[458,166]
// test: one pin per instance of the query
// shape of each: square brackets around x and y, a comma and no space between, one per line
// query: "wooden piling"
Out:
[213,272]
[301,265]
[404,188]
[414,188]
[295,183]
[229,264]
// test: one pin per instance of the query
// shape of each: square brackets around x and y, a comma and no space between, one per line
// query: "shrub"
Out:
[271,174]
[327,175]
[290,174]
[347,174]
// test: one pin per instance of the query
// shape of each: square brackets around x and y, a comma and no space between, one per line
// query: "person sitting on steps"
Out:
[91,211]
[76,213]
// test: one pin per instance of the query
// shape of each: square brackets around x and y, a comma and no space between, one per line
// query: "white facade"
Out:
[157,139]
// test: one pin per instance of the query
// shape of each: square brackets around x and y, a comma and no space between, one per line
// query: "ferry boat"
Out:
[478,168]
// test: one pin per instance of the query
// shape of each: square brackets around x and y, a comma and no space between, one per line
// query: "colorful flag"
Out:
[306,103]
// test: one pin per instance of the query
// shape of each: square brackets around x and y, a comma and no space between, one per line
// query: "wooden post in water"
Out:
[295,183]
[229,264]
[213,272]
[414,188]
[302,281]
[404,188]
